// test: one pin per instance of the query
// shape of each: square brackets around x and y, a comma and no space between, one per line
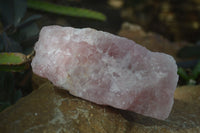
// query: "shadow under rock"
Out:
[183,115]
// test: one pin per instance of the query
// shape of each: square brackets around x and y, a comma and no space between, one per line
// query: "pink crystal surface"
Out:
[107,69]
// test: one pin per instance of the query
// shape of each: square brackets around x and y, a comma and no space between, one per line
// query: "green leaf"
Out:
[13,62]
[11,58]
[29,21]
[182,73]
[12,11]
[27,32]
[63,10]
[196,71]
[8,44]
[11,68]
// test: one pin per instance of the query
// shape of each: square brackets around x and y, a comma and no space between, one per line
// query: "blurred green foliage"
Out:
[18,35]
[14,62]
[63,10]
[191,77]
[190,52]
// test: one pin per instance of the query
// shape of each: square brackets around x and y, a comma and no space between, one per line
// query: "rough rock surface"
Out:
[107,69]
[188,94]
[49,109]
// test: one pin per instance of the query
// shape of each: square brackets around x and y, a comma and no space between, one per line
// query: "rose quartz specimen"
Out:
[107,69]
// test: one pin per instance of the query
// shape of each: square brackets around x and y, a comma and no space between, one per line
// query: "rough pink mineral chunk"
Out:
[107,69]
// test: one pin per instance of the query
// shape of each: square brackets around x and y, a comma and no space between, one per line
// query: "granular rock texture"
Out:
[52,110]
[107,69]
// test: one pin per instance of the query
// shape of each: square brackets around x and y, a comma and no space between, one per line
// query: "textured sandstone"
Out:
[107,69]
[49,109]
